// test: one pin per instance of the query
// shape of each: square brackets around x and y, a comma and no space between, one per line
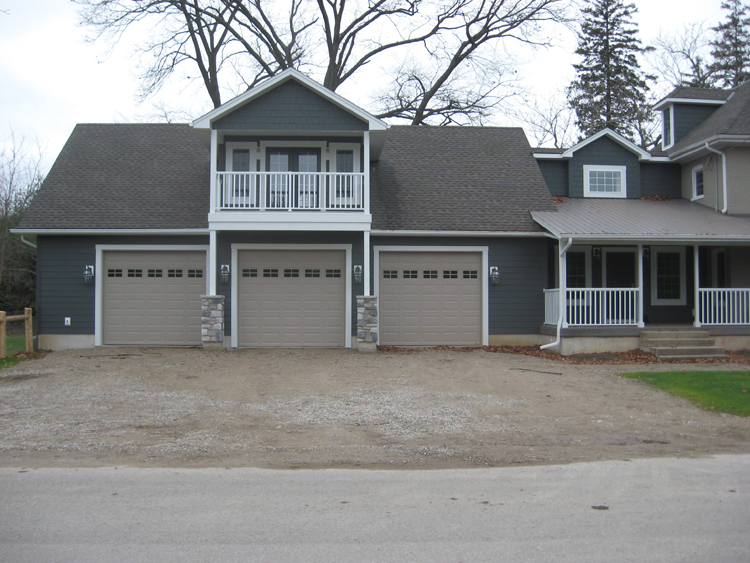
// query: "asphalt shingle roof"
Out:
[688,93]
[457,178]
[125,176]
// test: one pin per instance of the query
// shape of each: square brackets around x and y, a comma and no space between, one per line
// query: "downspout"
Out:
[561,298]
[31,244]
[725,190]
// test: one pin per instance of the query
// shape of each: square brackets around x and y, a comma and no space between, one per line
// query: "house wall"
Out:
[517,302]
[688,116]
[711,178]
[555,173]
[290,107]
[224,256]
[604,151]
[739,266]
[738,176]
[61,291]
[661,179]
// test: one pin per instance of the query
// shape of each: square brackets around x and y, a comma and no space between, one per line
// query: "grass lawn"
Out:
[721,391]
[14,346]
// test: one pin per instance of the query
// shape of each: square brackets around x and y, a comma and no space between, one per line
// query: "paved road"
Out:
[659,510]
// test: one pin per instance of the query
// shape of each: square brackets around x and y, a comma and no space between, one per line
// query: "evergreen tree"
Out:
[610,88]
[731,46]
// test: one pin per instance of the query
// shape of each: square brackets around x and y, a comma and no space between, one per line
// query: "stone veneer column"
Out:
[367,323]
[212,321]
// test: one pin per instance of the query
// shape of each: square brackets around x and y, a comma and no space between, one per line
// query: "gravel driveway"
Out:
[156,407]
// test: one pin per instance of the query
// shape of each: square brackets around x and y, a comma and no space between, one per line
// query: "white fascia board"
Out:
[652,239]
[642,154]
[548,156]
[385,233]
[272,221]
[661,104]
[542,223]
[205,121]
[717,141]
[110,231]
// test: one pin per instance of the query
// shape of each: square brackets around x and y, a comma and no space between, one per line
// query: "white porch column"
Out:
[212,262]
[640,286]
[366,267]
[563,260]
[696,286]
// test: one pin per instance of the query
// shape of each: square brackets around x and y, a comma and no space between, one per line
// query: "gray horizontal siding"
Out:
[555,174]
[604,151]
[224,256]
[61,291]
[661,179]
[517,303]
[291,107]
[688,116]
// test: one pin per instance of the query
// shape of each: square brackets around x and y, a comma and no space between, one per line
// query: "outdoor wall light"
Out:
[224,272]
[597,252]
[646,251]
[494,275]
[88,274]
[357,273]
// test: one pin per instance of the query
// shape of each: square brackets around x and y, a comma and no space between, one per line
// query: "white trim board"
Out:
[236,247]
[485,321]
[99,267]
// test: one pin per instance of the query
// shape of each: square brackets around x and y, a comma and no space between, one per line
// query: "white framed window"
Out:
[668,286]
[604,181]
[667,128]
[697,175]
[240,157]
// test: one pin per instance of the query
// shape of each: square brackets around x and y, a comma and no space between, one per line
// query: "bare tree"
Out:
[244,41]
[20,178]
[682,58]
[551,122]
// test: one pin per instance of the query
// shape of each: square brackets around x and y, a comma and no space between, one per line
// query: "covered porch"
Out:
[618,268]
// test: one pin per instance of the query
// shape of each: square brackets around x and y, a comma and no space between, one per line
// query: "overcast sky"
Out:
[50,79]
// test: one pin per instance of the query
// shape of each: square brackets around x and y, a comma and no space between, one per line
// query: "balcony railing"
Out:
[593,306]
[290,191]
[724,306]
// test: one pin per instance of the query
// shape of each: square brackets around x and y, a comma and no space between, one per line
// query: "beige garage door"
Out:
[291,297]
[152,297]
[430,298]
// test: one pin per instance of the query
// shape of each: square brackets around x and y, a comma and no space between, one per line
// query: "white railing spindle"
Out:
[724,306]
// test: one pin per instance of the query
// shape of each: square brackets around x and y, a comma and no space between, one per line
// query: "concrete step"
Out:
[674,334]
[673,352]
[652,342]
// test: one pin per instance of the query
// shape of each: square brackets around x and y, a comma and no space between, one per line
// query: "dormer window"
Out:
[698,182]
[604,181]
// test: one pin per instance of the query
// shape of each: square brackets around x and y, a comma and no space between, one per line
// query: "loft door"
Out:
[301,189]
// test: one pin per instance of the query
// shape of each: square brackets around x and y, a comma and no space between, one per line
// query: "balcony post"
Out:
[366,170]
[212,251]
[212,181]
[366,273]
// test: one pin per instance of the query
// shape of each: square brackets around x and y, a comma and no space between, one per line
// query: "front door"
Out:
[619,269]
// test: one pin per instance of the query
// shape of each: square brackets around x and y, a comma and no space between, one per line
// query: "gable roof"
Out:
[729,124]
[643,220]
[606,132]
[125,176]
[457,179]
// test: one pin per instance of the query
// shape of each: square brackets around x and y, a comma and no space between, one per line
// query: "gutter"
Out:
[561,298]
[724,176]
[31,244]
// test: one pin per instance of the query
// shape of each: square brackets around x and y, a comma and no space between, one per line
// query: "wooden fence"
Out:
[29,331]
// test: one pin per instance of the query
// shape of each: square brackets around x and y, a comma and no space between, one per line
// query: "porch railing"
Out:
[290,191]
[594,306]
[724,306]
[551,306]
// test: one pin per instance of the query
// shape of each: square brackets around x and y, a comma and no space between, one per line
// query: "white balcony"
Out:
[290,191]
